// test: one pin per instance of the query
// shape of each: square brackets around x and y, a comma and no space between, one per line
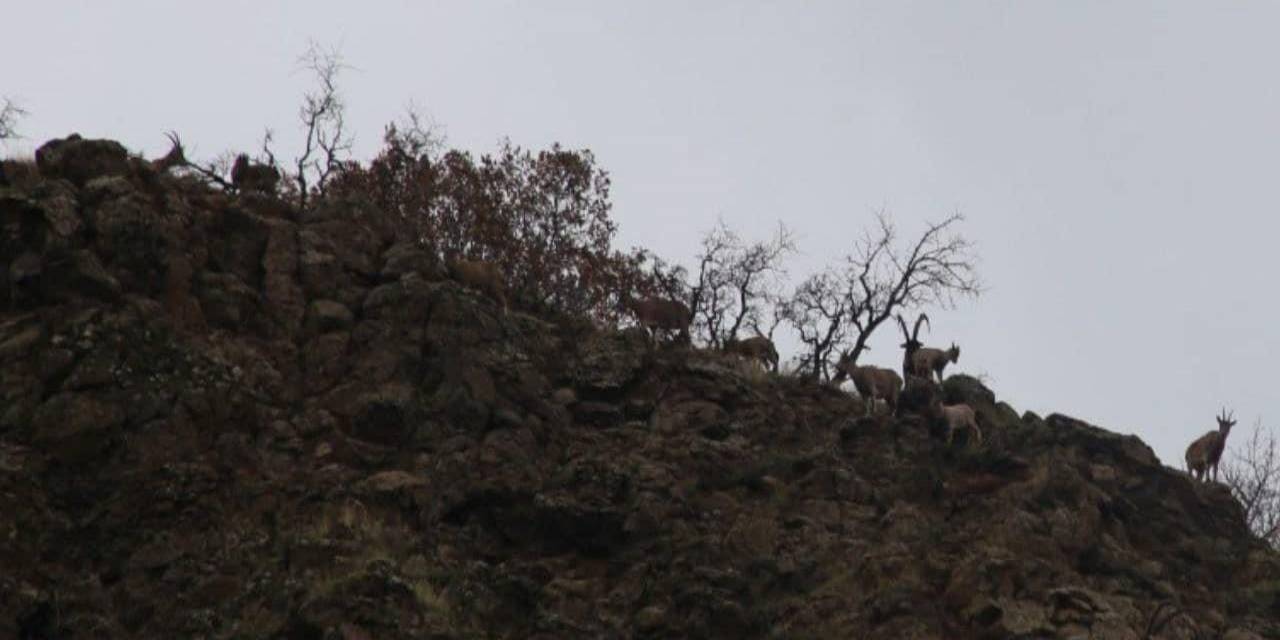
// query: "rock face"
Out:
[222,419]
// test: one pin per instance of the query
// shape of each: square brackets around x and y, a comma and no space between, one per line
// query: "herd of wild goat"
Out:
[877,383]
[660,316]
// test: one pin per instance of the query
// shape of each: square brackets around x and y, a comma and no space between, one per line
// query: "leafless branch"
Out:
[937,269]
[737,282]
[1253,474]
[835,313]
[416,134]
[818,312]
[323,117]
[268,156]
[10,113]
[214,170]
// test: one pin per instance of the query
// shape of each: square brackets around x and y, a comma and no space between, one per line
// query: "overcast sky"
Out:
[1115,161]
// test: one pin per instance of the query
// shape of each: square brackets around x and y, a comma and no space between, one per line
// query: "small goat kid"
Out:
[661,314]
[759,349]
[958,416]
[1206,451]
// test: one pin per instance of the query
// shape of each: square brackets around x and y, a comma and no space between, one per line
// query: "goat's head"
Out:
[953,354]
[911,340]
[1226,421]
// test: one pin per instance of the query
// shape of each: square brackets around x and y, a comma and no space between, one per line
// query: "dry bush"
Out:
[1252,471]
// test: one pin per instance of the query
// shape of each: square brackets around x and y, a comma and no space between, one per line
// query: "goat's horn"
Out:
[915,335]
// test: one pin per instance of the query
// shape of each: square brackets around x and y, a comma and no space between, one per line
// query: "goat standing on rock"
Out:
[871,383]
[958,416]
[1206,451]
[919,360]
[661,314]
[910,343]
[927,362]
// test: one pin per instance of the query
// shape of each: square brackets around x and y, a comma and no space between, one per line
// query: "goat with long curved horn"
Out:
[910,342]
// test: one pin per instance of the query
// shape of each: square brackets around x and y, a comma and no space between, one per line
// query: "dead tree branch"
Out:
[1253,474]
[883,279]
[737,282]
[10,113]
[323,117]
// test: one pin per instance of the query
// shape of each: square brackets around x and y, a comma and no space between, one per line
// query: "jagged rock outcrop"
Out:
[222,419]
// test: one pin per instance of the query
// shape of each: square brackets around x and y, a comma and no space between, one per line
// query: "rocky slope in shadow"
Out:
[221,418]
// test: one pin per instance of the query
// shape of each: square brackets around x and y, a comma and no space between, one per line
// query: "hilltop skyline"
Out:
[1110,160]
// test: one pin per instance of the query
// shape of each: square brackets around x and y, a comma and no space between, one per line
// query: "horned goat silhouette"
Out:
[921,361]
[1206,451]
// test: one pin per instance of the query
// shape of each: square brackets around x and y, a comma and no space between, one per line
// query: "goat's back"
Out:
[662,313]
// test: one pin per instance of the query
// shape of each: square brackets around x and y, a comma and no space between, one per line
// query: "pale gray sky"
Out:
[1115,160]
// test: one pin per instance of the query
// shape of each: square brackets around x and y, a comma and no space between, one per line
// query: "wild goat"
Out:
[480,275]
[871,383]
[253,176]
[175,157]
[910,343]
[759,348]
[1206,451]
[957,416]
[661,314]
[927,362]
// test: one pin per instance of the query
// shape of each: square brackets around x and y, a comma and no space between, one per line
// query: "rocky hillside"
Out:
[223,418]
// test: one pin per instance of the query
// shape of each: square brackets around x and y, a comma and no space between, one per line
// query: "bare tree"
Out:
[766,323]
[837,312]
[883,278]
[737,282]
[416,135]
[10,113]
[326,143]
[818,310]
[1253,474]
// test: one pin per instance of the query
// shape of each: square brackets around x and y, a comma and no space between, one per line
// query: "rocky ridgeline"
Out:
[222,418]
